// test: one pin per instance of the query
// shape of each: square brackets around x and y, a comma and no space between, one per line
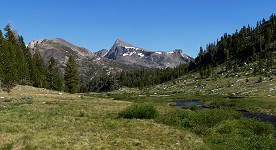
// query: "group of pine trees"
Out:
[247,45]
[19,66]
[140,78]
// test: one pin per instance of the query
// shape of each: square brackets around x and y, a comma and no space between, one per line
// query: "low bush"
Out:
[256,127]
[223,128]
[139,111]
[193,119]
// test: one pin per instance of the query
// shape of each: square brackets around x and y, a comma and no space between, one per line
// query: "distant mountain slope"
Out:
[90,65]
[126,53]
[101,53]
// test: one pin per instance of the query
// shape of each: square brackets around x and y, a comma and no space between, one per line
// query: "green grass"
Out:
[223,128]
[65,121]
[33,118]
[139,111]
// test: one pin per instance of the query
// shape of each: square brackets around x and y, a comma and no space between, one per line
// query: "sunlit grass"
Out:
[34,118]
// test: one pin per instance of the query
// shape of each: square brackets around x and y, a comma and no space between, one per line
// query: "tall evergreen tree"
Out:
[54,78]
[28,60]
[71,75]
[39,71]
[2,40]
[10,70]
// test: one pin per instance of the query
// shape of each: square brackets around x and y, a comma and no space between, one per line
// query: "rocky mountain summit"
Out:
[126,53]
[101,53]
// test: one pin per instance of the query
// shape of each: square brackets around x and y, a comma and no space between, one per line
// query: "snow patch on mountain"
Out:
[158,53]
[141,54]
[135,48]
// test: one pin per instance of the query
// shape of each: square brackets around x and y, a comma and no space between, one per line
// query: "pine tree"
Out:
[29,62]
[54,78]
[201,72]
[39,71]
[209,70]
[1,54]
[8,76]
[23,57]
[8,59]
[9,62]
[71,75]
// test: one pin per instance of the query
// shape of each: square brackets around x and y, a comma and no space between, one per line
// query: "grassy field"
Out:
[33,118]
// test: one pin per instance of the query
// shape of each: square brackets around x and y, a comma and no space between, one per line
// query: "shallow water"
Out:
[262,117]
[187,103]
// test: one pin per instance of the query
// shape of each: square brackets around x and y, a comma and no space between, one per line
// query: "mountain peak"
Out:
[119,42]
[126,53]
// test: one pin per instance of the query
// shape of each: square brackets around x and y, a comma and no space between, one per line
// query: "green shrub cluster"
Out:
[223,128]
[192,107]
[139,111]
[194,119]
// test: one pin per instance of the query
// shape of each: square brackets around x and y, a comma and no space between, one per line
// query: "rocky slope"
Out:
[101,53]
[126,53]
[90,65]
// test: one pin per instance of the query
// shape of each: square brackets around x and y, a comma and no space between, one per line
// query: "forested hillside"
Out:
[250,44]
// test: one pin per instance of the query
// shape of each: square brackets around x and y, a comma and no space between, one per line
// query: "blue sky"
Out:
[151,24]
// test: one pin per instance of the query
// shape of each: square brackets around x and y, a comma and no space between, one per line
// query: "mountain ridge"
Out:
[126,53]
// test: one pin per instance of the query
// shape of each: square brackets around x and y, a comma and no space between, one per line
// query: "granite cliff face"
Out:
[126,53]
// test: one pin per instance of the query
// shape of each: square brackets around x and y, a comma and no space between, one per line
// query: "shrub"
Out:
[198,119]
[260,79]
[256,127]
[139,111]
[173,118]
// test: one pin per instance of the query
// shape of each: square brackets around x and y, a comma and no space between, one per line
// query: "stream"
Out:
[262,117]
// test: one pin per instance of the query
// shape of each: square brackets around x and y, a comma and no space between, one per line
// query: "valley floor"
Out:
[33,118]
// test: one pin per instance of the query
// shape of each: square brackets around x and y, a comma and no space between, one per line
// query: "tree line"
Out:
[140,78]
[19,66]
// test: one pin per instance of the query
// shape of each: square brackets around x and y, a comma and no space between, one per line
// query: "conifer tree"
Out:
[71,75]
[39,71]
[1,54]
[28,60]
[9,61]
[209,70]
[8,69]
[54,78]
